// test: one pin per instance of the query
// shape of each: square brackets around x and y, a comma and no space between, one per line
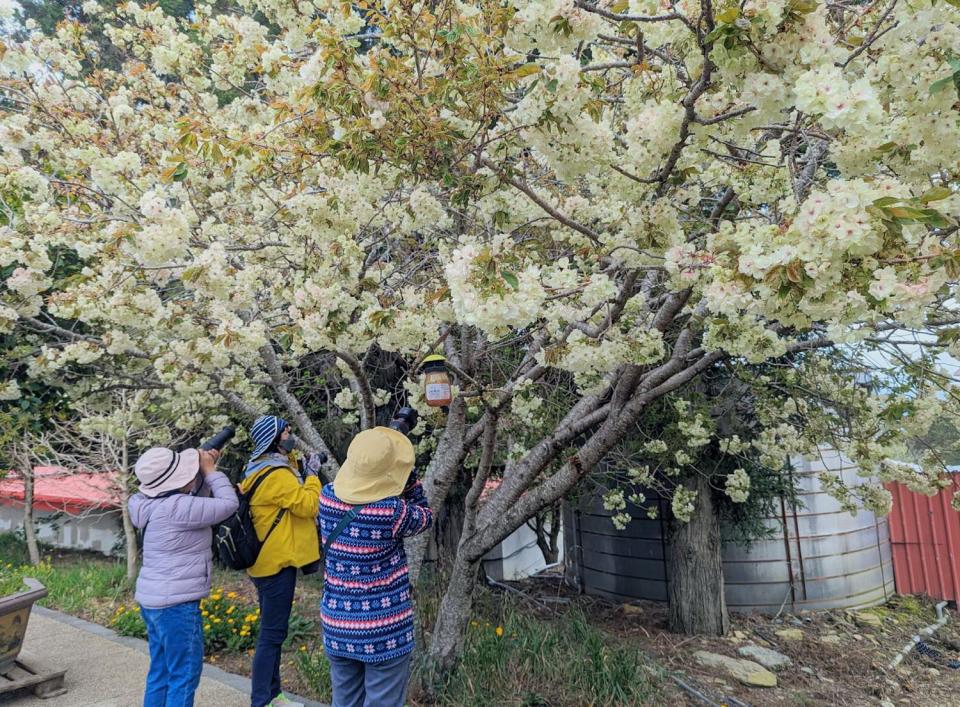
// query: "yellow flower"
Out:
[216,620]
[499,631]
[205,613]
[229,621]
[230,609]
[215,597]
[231,595]
[206,627]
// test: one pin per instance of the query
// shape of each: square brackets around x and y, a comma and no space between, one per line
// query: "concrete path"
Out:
[106,670]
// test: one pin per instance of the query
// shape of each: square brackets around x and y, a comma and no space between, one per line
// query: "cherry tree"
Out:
[585,207]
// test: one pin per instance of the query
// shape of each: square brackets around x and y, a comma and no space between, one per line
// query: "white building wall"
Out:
[98,532]
[518,556]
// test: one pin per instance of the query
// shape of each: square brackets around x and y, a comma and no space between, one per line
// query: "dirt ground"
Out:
[842,657]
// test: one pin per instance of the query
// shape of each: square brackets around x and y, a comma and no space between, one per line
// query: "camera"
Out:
[404,421]
[219,440]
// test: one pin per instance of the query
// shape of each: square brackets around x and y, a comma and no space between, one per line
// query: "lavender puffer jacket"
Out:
[177,555]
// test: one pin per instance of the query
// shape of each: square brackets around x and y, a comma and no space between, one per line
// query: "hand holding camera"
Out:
[208,460]
[404,421]
[313,464]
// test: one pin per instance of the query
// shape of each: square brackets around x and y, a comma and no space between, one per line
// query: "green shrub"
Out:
[227,623]
[127,621]
[13,550]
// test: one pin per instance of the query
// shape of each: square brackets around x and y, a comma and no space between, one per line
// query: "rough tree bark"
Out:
[29,529]
[439,477]
[449,634]
[695,590]
[129,532]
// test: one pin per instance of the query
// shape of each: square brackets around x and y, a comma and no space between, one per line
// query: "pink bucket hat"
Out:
[160,470]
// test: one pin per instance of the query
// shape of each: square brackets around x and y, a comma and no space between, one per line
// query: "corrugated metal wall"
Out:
[818,557]
[925,534]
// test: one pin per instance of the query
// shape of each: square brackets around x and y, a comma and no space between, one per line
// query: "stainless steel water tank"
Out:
[817,557]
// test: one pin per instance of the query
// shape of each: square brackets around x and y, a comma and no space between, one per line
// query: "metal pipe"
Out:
[942,618]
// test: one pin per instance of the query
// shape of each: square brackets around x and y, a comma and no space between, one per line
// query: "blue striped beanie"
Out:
[264,431]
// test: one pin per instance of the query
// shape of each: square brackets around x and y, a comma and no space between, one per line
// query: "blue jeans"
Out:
[275,594]
[175,636]
[359,684]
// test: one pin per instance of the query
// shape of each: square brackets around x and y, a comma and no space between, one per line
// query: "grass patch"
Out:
[78,587]
[524,659]
[314,669]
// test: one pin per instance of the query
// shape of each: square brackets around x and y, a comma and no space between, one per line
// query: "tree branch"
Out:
[532,195]
[617,17]
[874,35]
[360,386]
[278,382]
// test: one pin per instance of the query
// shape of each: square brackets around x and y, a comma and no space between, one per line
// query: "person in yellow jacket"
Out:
[284,511]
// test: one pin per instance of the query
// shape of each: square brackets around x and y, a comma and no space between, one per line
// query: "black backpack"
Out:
[236,540]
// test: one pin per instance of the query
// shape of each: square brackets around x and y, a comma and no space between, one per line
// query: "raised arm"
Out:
[284,491]
[197,512]
[413,511]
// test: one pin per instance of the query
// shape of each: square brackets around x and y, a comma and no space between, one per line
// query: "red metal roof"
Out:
[59,489]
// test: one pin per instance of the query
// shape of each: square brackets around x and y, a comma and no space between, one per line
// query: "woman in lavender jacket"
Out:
[181,497]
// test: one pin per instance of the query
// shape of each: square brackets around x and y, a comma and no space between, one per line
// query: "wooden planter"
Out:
[16,673]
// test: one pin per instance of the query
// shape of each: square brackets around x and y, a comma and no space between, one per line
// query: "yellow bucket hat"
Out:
[378,465]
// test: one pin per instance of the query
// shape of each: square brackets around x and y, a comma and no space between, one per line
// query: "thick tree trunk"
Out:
[697,603]
[450,630]
[441,472]
[449,524]
[29,529]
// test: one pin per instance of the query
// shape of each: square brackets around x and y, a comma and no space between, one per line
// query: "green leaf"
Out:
[552,85]
[935,194]
[729,15]
[906,213]
[510,279]
[938,86]
[718,32]
[181,172]
[934,218]
[886,201]
[804,7]
[525,70]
